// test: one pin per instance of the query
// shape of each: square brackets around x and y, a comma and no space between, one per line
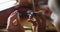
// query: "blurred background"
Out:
[40,6]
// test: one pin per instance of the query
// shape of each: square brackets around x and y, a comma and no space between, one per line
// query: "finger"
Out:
[13,13]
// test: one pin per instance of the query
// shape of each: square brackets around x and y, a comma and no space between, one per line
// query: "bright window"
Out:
[5,4]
